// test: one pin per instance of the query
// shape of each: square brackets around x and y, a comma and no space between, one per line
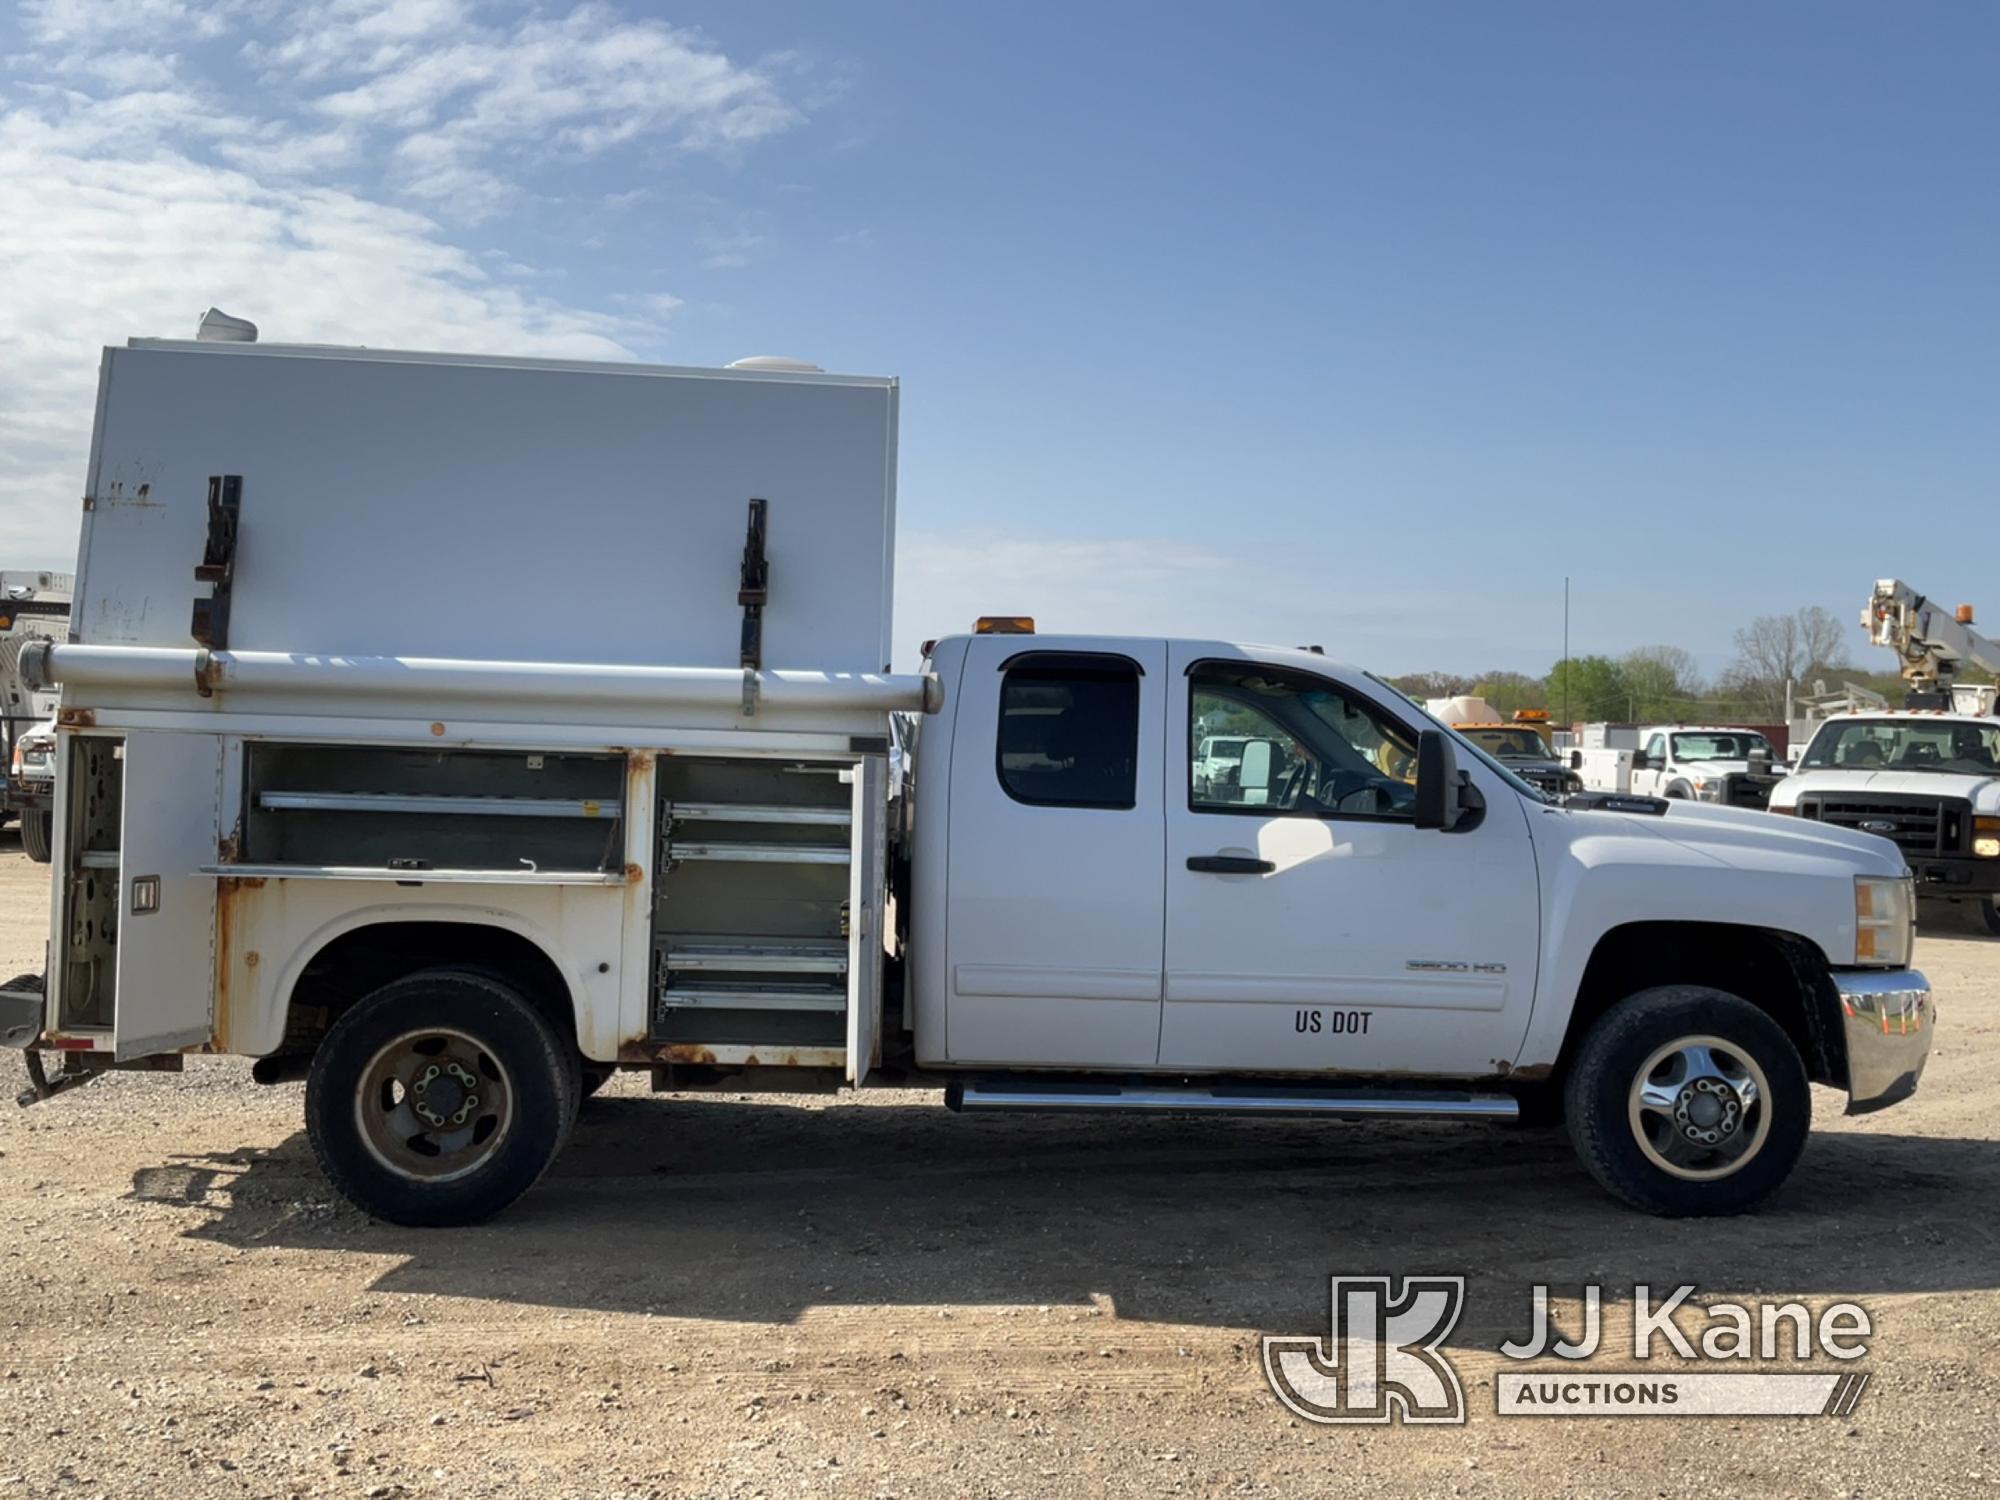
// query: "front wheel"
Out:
[1990,910]
[439,1099]
[1688,1101]
[38,835]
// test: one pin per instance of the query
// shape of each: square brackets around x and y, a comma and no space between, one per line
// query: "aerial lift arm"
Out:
[1931,643]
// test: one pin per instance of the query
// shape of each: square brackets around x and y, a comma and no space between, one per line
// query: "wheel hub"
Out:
[434,1104]
[1699,1107]
[1707,1111]
[444,1094]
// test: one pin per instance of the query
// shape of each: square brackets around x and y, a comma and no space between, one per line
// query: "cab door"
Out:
[1054,898]
[1647,783]
[1311,925]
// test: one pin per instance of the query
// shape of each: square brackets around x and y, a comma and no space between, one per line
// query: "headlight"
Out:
[1709,789]
[1885,920]
[1986,837]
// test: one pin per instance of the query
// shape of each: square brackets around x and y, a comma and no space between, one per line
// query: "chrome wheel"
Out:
[434,1105]
[1699,1108]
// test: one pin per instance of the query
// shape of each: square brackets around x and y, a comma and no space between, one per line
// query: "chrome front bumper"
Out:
[1887,1017]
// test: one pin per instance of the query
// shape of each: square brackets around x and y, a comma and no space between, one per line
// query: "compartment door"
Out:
[166,911]
[866,897]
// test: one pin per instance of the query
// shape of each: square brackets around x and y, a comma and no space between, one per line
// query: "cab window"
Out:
[1069,731]
[1296,744]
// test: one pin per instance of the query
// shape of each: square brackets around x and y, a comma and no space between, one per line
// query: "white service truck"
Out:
[327,800]
[1700,763]
[1708,763]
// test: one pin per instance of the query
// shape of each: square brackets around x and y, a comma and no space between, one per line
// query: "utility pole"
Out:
[1568,723]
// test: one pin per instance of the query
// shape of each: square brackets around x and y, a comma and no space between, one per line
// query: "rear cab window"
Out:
[1069,730]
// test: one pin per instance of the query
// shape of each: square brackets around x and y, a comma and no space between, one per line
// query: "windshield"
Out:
[1732,746]
[1906,745]
[1520,743]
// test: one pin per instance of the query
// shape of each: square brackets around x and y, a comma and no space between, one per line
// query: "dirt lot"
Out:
[758,1295]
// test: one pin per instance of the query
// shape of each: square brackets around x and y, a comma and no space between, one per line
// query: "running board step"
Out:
[1230,1099]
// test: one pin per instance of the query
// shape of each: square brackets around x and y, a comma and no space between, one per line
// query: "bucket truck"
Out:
[1926,776]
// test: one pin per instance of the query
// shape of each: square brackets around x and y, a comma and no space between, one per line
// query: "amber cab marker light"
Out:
[1004,625]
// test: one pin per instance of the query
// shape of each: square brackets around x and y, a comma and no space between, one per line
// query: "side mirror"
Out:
[1256,766]
[1639,761]
[1439,804]
[1576,760]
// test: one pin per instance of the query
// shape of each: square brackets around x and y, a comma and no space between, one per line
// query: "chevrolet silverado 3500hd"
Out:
[455,861]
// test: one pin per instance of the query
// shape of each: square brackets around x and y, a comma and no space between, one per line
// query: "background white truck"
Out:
[1725,764]
[34,606]
[453,864]
[1926,777]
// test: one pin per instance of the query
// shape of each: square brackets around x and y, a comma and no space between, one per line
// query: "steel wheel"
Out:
[434,1105]
[1698,1108]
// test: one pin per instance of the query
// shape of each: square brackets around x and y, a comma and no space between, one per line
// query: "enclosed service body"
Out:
[451,732]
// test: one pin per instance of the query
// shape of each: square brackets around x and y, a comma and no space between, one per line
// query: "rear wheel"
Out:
[439,1099]
[1687,1100]
[37,835]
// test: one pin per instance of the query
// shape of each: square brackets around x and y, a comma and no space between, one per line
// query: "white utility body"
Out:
[355,800]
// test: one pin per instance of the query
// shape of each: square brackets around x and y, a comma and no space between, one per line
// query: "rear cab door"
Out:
[1054,898]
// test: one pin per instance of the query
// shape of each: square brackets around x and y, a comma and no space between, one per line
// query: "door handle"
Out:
[1229,864]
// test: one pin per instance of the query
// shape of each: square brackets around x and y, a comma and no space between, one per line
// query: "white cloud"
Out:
[139,192]
[1162,586]
[459,94]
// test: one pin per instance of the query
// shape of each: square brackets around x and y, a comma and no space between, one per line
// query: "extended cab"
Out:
[1929,781]
[456,865]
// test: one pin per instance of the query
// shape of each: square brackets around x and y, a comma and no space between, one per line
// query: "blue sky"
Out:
[1360,324]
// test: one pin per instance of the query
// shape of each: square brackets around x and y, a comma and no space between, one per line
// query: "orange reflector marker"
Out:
[1004,625]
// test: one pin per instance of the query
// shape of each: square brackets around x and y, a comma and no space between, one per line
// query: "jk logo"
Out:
[1379,1362]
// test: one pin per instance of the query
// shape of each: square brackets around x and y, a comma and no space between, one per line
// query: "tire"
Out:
[37,835]
[1670,1170]
[1990,910]
[404,1050]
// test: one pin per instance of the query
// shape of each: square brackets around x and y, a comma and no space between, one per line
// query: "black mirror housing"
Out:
[1438,782]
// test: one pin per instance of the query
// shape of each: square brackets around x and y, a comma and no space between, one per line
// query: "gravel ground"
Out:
[751,1295]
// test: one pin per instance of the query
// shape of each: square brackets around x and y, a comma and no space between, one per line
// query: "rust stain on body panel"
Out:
[233,895]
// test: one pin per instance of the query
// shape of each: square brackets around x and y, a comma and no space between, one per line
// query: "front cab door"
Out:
[1311,926]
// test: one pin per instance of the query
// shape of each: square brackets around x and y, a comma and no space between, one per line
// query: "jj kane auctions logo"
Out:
[1381,1361]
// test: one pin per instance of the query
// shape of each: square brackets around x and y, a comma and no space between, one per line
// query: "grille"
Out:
[1916,825]
[1749,791]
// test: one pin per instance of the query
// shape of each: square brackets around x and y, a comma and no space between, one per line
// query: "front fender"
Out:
[1605,870]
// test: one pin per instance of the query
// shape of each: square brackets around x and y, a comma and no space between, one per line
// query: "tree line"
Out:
[1663,683]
